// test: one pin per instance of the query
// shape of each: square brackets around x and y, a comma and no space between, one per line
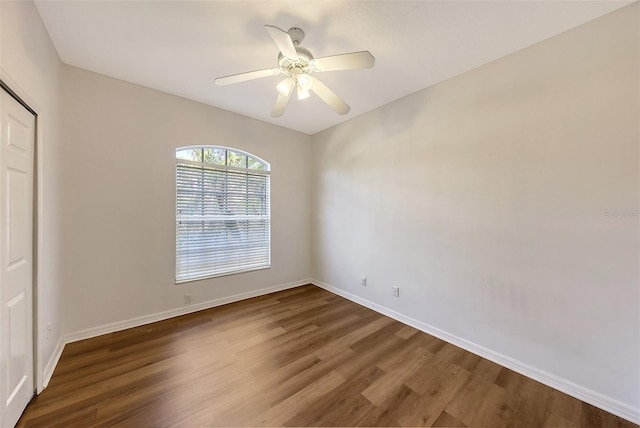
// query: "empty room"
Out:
[319,213]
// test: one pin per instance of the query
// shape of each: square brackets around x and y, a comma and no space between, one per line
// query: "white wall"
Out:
[30,65]
[119,199]
[484,198]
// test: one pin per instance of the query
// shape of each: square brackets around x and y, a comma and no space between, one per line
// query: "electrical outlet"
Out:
[396,291]
[364,281]
[187,299]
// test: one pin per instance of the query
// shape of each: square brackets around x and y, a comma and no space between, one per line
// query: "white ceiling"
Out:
[179,47]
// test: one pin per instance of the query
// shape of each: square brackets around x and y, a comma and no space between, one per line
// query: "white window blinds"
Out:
[222,215]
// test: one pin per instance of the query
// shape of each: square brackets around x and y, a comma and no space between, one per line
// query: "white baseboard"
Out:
[580,392]
[159,316]
[52,363]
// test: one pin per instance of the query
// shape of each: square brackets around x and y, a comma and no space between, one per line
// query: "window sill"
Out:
[202,278]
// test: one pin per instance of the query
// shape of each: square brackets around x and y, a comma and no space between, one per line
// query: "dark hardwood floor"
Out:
[300,357]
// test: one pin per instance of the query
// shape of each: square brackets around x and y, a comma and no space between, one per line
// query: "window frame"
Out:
[265,172]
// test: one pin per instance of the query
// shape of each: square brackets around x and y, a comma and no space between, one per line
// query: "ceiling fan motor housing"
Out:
[302,63]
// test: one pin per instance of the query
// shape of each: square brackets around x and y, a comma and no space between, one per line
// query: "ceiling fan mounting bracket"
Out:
[296,34]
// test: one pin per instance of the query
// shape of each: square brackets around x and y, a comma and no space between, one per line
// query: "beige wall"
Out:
[484,198]
[30,65]
[119,199]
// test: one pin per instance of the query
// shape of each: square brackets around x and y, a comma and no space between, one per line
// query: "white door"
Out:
[17,126]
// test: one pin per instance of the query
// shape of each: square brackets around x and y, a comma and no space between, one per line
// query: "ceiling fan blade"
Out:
[243,77]
[283,100]
[283,41]
[348,61]
[329,97]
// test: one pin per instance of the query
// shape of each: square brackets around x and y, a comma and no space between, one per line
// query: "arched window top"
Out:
[222,156]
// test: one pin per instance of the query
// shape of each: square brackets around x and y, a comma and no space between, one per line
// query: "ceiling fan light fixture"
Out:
[302,93]
[284,87]
[305,81]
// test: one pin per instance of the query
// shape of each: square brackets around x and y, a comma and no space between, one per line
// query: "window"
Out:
[222,212]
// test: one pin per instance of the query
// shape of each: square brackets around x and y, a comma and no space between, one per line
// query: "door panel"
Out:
[17,308]
[17,133]
[16,231]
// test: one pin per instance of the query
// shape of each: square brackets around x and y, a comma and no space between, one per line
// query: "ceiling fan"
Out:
[297,65]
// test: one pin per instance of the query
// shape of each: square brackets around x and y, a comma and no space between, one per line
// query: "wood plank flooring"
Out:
[300,357]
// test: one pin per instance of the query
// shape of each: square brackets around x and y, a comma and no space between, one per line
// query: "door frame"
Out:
[39,338]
